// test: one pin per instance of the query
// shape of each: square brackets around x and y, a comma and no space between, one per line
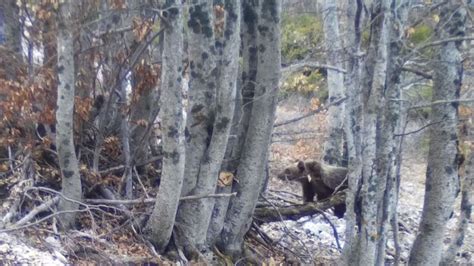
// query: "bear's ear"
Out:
[300,166]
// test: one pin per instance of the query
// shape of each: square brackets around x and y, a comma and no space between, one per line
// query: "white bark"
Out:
[250,172]
[160,224]
[352,34]
[334,142]
[202,89]
[71,179]
[194,216]
[442,171]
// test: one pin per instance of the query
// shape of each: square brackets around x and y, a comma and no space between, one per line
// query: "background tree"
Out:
[334,143]
[160,224]
[442,183]
[71,179]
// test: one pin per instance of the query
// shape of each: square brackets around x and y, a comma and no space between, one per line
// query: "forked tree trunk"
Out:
[194,216]
[161,222]
[442,172]
[250,173]
[71,179]
[334,143]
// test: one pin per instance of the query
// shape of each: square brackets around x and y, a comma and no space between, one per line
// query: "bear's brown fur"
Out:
[317,179]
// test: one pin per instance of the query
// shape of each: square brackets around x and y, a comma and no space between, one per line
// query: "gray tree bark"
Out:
[11,37]
[442,172]
[71,179]
[467,187]
[333,145]
[367,190]
[202,89]
[160,224]
[250,172]
[194,216]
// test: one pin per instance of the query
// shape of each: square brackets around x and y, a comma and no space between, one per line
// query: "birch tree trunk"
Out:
[250,172]
[160,224]
[194,216]
[334,143]
[442,171]
[71,179]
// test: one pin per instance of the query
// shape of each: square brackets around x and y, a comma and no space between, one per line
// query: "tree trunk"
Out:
[202,89]
[250,172]
[352,33]
[71,179]
[11,37]
[442,172]
[334,143]
[160,224]
[372,185]
[194,216]
[467,187]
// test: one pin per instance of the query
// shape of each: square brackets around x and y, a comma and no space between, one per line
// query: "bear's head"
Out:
[294,172]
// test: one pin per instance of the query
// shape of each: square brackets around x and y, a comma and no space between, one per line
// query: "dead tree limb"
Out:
[294,212]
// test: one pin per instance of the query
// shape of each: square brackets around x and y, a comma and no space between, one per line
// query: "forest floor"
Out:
[312,238]
[309,239]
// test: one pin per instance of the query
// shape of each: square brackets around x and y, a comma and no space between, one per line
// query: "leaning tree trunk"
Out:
[442,172]
[71,179]
[334,143]
[250,172]
[194,216]
[160,224]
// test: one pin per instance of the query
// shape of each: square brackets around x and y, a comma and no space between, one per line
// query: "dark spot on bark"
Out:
[215,72]
[261,48]
[180,69]
[65,142]
[179,79]
[222,123]
[204,56]
[172,132]
[115,18]
[68,174]
[60,69]
[270,10]
[211,85]
[175,156]
[449,170]
[262,30]
[186,134]
[199,65]
[454,136]
[67,86]
[199,21]
[66,162]
[191,65]
[208,94]
[196,108]
[62,97]
[250,16]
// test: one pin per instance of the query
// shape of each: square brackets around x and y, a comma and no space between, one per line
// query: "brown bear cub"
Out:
[317,179]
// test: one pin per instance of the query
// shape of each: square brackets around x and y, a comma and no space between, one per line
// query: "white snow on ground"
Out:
[14,252]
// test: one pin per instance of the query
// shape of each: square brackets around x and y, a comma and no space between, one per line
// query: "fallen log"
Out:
[294,212]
